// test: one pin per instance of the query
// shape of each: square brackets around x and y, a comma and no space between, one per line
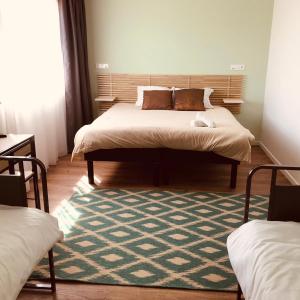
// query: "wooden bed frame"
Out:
[123,88]
[161,158]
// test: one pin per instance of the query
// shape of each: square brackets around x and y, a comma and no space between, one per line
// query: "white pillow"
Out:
[142,88]
[206,101]
[207,93]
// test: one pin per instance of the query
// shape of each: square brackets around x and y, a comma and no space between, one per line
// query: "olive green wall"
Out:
[184,37]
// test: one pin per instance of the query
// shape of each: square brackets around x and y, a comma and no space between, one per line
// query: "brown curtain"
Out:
[77,81]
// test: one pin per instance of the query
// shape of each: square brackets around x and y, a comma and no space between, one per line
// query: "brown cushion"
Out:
[157,100]
[189,99]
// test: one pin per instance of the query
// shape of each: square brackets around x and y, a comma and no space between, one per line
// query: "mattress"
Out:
[265,257]
[127,126]
[26,235]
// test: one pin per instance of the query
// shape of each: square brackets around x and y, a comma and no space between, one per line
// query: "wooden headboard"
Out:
[124,86]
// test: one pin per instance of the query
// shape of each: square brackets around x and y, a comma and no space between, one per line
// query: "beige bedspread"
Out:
[127,126]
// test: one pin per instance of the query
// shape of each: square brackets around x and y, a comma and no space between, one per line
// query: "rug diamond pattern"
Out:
[149,238]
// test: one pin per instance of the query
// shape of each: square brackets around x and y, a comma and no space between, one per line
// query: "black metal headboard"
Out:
[12,187]
[284,201]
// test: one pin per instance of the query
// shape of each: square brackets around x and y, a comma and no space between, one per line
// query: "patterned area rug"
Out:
[149,238]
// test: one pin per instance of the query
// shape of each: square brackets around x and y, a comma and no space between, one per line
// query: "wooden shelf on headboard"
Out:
[233,101]
[124,86]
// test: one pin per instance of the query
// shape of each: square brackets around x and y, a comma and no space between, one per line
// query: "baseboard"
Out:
[276,161]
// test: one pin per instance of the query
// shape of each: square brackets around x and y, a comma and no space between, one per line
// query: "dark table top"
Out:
[12,140]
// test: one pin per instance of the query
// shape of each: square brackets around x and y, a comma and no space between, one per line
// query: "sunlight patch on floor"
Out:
[83,186]
[67,216]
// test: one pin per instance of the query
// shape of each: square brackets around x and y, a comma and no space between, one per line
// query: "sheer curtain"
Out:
[32,75]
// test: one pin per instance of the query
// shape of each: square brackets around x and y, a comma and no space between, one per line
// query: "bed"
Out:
[265,254]
[265,257]
[124,132]
[26,234]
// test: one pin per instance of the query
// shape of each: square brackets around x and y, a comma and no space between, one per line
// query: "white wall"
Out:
[281,116]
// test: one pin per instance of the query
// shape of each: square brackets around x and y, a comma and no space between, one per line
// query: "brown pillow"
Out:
[157,100]
[189,99]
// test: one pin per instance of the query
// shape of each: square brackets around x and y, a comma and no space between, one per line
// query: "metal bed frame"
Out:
[284,204]
[16,191]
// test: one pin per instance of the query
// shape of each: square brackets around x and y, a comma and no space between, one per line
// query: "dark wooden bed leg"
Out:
[233,176]
[90,169]
[51,270]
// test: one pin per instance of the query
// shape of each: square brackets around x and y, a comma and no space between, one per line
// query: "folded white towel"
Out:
[200,116]
[197,123]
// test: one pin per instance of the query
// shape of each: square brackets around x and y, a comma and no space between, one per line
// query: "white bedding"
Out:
[265,257]
[127,126]
[26,234]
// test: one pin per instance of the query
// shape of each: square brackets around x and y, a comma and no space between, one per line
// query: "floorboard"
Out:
[63,177]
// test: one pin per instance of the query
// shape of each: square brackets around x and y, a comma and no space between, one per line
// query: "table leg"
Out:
[35,176]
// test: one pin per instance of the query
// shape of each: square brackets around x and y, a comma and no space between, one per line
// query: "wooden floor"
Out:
[63,178]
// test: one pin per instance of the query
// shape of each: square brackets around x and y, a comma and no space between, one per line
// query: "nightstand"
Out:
[105,99]
[104,103]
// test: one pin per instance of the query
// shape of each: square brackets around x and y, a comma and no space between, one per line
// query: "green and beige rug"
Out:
[149,238]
